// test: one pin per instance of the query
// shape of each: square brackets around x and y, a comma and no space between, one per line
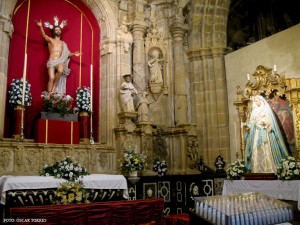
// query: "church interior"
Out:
[200,98]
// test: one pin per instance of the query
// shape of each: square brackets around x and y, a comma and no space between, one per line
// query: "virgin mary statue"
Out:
[265,146]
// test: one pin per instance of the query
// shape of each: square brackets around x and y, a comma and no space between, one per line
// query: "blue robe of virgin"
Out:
[272,135]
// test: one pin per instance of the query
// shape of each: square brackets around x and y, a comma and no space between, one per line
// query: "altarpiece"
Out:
[283,96]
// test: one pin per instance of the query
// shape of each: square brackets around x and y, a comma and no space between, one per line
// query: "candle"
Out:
[91,86]
[236,136]
[275,68]
[24,79]
[248,77]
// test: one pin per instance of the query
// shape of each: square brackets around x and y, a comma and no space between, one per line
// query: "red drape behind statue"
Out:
[82,31]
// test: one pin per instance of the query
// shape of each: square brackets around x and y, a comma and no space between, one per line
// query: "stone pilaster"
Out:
[139,71]
[178,30]
[6,30]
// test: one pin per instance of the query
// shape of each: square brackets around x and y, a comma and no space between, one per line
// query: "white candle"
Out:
[24,79]
[236,137]
[248,77]
[91,86]
[275,68]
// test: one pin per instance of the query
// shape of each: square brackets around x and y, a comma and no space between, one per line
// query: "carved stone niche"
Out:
[156,56]
[282,95]
[156,71]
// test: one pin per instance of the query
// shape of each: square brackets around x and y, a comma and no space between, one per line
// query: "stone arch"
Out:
[104,13]
[107,20]
[208,23]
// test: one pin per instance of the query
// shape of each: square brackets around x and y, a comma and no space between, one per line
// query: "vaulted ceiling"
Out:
[252,20]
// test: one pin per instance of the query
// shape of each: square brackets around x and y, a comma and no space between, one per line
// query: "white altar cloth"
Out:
[92,181]
[284,190]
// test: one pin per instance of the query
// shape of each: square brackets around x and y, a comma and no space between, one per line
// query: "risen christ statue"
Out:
[59,57]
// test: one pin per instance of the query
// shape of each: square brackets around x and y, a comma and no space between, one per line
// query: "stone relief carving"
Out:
[129,143]
[125,38]
[19,155]
[30,160]
[147,150]
[192,152]
[160,145]
[103,156]
[5,159]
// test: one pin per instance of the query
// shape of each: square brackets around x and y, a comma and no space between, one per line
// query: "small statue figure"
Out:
[220,164]
[155,67]
[142,107]
[127,91]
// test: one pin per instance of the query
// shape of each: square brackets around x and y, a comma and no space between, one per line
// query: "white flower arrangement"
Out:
[160,167]
[288,169]
[71,193]
[131,161]
[235,170]
[15,93]
[65,169]
[83,99]
[57,102]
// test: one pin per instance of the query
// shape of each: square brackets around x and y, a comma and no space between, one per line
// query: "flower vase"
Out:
[133,177]
[17,122]
[84,127]
[133,174]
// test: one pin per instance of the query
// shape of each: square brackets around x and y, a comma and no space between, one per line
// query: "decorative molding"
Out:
[28,158]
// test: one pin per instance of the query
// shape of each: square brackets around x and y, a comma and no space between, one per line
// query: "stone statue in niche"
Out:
[127,93]
[142,106]
[125,39]
[155,67]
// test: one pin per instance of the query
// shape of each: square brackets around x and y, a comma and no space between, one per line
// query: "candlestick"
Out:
[248,77]
[24,79]
[275,68]
[91,86]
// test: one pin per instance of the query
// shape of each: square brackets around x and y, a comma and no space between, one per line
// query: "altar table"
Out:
[279,189]
[92,181]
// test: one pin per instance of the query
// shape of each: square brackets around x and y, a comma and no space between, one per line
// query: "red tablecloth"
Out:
[177,219]
[57,132]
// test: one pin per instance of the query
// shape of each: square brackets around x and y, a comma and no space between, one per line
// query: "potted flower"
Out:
[66,169]
[132,162]
[83,99]
[160,167]
[288,169]
[71,193]
[235,170]
[83,106]
[15,93]
[15,99]
[58,106]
